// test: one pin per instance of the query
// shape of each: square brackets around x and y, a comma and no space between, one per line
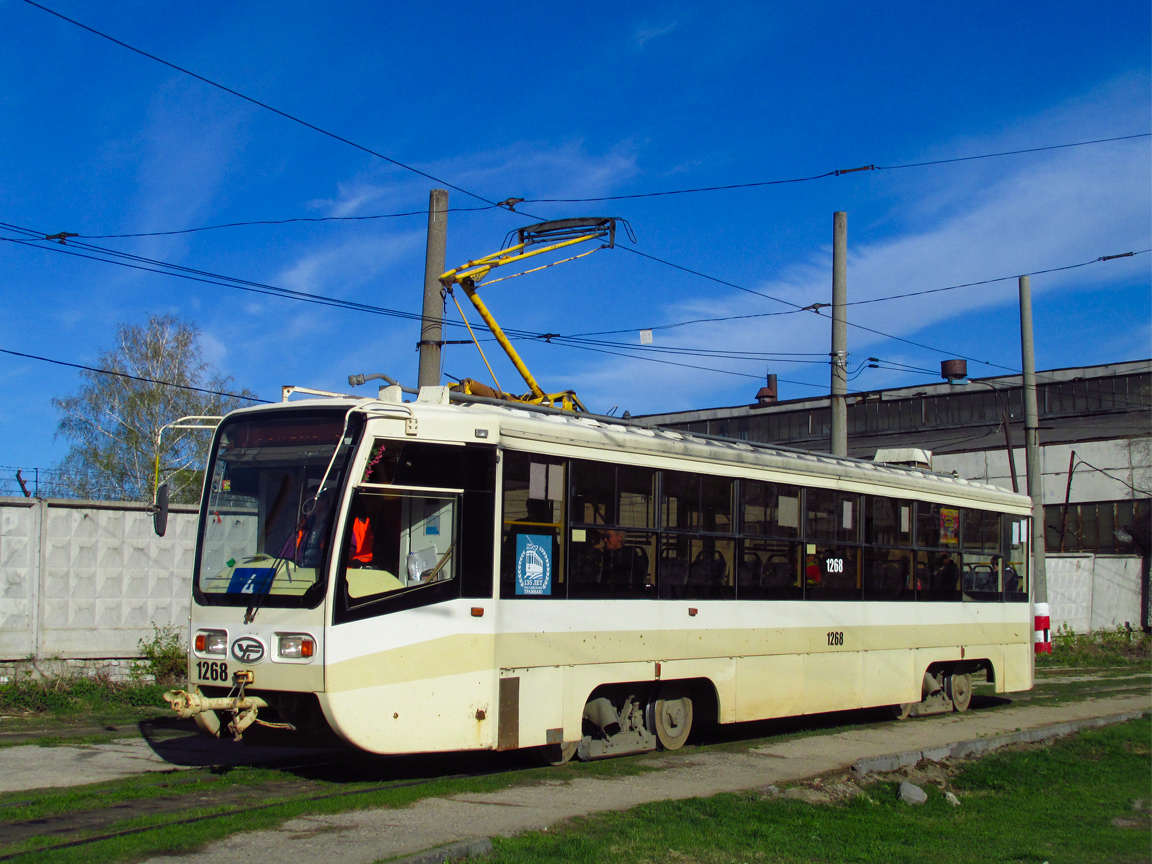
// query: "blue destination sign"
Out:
[250,580]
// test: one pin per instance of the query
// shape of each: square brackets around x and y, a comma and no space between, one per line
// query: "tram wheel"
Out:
[902,711]
[670,717]
[555,754]
[959,688]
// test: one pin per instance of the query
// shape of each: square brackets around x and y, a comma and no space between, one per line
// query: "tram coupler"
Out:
[188,705]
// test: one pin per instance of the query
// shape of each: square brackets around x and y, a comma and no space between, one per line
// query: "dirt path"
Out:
[365,836]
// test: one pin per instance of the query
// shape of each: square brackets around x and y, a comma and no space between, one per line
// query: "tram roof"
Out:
[533,423]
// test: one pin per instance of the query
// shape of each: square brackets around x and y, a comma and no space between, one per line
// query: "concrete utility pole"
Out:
[839,437]
[433,312]
[1032,444]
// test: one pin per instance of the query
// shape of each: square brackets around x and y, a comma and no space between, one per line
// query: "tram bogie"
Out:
[435,577]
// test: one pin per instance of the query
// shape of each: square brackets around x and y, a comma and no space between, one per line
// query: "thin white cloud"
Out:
[646,33]
[522,170]
[1054,209]
[184,153]
[341,269]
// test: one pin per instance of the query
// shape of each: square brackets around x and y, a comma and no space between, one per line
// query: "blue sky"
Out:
[562,101]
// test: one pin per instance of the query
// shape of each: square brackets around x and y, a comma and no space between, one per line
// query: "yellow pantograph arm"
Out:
[535,388]
[472,272]
[469,275]
[481,267]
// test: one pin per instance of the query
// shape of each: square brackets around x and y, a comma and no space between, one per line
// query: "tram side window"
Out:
[833,516]
[433,466]
[636,496]
[697,549]
[768,565]
[611,562]
[832,572]
[938,565]
[831,565]
[887,565]
[532,548]
[887,573]
[1016,557]
[887,521]
[983,559]
[696,567]
[396,541]
[680,501]
[607,556]
[768,569]
[593,493]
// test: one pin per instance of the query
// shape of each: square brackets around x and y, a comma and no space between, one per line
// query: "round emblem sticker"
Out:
[248,649]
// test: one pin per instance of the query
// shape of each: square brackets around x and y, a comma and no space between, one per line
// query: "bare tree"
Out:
[113,420]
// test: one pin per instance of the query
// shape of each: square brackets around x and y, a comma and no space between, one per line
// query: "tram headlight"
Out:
[295,646]
[211,642]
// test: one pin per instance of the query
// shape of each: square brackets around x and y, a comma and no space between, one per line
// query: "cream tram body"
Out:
[547,580]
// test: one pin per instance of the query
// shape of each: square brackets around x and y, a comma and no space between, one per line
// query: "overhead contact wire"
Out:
[826,174]
[260,104]
[133,377]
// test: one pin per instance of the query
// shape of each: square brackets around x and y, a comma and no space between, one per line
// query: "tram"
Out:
[458,573]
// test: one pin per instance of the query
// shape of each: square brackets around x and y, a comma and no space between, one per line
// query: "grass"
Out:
[732,828]
[1015,807]
[64,705]
[232,792]
[1119,647]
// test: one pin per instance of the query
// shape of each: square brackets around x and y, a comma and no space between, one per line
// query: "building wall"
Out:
[83,579]
[1127,461]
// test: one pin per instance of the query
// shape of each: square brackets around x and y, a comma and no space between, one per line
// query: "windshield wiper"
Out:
[259,597]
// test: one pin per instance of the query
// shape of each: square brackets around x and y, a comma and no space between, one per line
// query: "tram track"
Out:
[68,824]
[299,784]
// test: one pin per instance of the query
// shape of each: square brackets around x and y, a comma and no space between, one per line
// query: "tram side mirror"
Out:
[160,511]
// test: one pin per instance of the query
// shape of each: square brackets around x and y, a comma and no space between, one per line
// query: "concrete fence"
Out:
[1095,592]
[89,579]
[84,581]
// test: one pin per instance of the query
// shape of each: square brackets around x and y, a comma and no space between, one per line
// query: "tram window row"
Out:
[585,529]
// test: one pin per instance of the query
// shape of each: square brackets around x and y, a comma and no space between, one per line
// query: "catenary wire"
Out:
[399,164]
[999,278]
[503,205]
[263,105]
[36,240]
[281,222]
[197,275]
[288,294]
[133,377]
[259,288]
[690,366]
[406,167]
[667,263]
[835,173]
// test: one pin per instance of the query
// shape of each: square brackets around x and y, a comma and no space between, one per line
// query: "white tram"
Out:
[434,576]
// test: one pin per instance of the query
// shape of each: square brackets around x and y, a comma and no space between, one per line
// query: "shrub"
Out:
[164,656]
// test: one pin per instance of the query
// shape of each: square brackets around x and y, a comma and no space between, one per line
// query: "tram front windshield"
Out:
[274,484]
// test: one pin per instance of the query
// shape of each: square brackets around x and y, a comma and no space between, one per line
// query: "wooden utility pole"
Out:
[1032,444]
[433,313]
[839,433]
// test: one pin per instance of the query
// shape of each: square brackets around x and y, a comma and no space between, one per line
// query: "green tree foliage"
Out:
[112,421]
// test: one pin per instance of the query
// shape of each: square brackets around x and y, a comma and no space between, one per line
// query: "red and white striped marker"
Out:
[1042,635]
